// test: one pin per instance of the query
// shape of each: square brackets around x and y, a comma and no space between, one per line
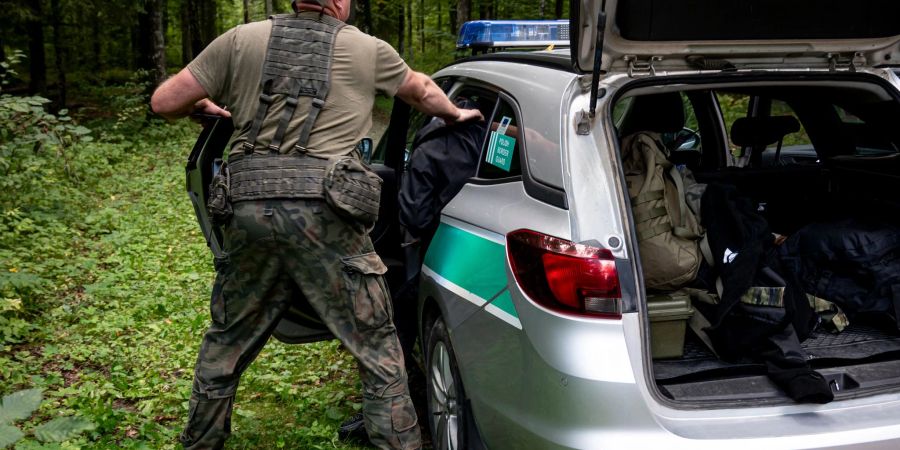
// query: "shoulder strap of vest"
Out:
[298,64]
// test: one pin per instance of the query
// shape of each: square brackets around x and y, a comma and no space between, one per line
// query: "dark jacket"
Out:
[442,161]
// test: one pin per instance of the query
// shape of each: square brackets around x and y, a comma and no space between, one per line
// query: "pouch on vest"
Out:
[219,203]
[668,231]
[353,191]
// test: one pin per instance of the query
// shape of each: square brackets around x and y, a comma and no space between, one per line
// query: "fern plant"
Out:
[21,405]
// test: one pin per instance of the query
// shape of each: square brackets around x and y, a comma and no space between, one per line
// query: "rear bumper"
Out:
[585,387]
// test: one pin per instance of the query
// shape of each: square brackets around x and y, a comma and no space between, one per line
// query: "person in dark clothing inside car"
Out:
[444,157]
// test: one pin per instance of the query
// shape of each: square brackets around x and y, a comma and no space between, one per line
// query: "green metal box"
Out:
[669,316]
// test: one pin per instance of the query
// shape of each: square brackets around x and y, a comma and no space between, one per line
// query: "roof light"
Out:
[513,33]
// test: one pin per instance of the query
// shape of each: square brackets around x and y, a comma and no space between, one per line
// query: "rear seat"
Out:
[788,195]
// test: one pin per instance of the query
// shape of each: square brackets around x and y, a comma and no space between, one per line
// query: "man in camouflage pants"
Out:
[276,247]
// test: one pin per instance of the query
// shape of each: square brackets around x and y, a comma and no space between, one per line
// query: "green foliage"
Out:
[62,429]
[21,405]
[104,281]
[9,435]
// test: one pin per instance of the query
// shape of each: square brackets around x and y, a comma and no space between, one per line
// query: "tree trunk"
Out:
[454,17]
[440,19]
[58,51]
[401,28]
[409,28]
[367,12]
[422,24]
[37,57]
[196,33]
[559,9]
[194,27]
[463,13]
[268,8]
[208,15]
[157,41]
[246,11]
[142,47]
[365,8]
[187,53]
[543,7]
[96,43]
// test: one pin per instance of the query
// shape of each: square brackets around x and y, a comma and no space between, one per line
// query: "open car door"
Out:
[300,323]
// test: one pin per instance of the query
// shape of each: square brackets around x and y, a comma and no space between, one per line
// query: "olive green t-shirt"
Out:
[230,68]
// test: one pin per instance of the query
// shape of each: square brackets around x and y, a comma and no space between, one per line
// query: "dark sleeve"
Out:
[417,193]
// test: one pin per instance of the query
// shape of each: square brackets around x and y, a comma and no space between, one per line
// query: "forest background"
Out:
[104,275]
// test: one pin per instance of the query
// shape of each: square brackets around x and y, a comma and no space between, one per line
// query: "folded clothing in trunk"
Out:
[854,263]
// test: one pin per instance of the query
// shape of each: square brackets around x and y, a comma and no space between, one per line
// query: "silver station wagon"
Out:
[537,327]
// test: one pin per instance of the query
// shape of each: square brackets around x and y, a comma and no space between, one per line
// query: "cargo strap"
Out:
[276,176]
[298,64]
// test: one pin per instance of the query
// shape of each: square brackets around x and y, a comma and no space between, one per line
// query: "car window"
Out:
[800,138]
[500,153]
[870,128]
[733,107]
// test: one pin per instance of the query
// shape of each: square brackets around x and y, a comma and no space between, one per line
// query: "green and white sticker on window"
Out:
[501,146]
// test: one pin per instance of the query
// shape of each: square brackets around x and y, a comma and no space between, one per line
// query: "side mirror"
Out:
[364,147]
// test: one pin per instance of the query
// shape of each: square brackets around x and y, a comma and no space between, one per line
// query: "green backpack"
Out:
[668,231]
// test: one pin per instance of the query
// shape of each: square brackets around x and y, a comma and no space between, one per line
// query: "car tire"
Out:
[447,412]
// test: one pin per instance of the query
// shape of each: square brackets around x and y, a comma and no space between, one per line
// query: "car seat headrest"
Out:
[762,131]
[661,113]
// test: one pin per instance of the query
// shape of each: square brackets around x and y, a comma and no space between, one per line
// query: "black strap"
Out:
[265,101]
[314,111]
[298,64]
[286,115]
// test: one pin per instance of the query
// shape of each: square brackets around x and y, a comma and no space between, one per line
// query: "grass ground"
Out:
[108,278]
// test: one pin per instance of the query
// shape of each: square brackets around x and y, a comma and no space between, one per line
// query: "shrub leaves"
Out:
[20,405]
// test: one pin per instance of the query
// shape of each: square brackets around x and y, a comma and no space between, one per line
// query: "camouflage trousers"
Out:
[275,248]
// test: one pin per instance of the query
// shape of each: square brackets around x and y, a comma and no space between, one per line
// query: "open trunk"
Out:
[843,163]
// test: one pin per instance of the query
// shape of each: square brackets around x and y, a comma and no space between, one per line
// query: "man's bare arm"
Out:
[421,92]
[182,95]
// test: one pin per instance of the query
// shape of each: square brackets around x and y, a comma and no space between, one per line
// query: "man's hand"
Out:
[183,95]
[467,115]
[420,92]
[207,107]
[205,112]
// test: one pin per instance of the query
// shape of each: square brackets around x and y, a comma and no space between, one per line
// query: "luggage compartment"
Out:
[848,166]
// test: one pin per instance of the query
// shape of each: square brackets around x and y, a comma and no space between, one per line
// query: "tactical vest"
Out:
[298,64]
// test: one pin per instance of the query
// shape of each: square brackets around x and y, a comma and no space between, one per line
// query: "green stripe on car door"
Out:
[473,263]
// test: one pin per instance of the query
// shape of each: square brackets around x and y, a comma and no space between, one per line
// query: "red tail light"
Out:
[565,276]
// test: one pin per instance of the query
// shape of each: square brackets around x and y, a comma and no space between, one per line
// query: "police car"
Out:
[534,317]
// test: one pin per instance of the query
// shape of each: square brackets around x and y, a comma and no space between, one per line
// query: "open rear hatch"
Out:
[658,36]
[729,34]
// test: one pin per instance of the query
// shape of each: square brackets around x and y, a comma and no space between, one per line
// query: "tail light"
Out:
[564,276]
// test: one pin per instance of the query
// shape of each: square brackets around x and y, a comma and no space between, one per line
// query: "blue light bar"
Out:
[513,33]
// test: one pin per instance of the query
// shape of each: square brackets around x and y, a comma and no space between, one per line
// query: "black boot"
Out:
[353,428]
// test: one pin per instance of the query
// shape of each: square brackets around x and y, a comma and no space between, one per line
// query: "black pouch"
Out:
[352,190]
[219,204]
